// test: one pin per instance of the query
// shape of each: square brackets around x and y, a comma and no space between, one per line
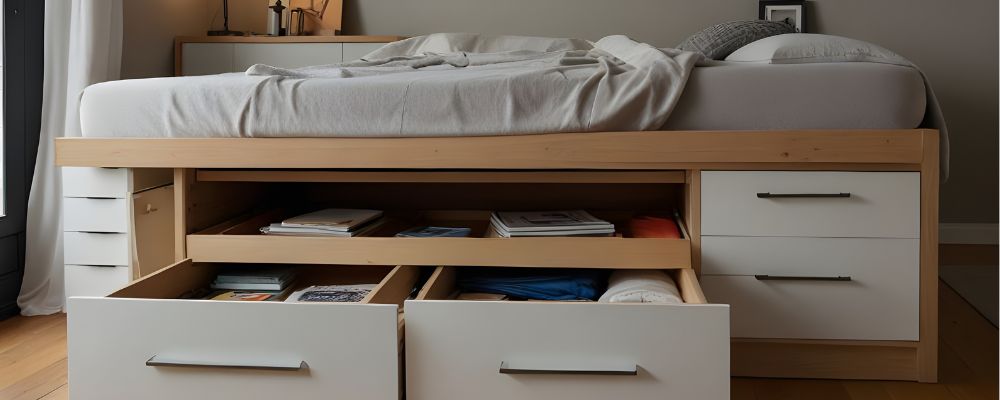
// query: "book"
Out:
[238,295]
[332,219]
[249,286]
[281,230]
[435,231]
[542,221]
[331,294]
[495,232]
[256,275]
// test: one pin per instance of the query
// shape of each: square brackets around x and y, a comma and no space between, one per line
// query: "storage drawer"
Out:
[354,51]
[826,204]
[816,288]
[87,248]
[565,350]
[96,215]
[94,280]
[207,58]
[143,343]
[286,55]
[112,182]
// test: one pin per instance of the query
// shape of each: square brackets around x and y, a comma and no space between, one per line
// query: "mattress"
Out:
[729,96]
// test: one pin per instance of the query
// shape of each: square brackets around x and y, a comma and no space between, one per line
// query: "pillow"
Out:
[716,42]
[801,48]
[444,43]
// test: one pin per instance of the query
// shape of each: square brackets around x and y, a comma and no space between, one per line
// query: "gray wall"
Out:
[955,42]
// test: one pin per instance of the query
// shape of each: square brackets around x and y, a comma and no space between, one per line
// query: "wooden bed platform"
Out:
[644,169]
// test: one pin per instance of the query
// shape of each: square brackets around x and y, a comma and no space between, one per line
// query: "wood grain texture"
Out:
[442,176]
[927,352]
[598,150]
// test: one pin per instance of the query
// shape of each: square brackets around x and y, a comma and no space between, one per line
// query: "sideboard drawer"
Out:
[286,55]
[458,350]
[816,288]
[96,215]
[88,248]
[803,203]
[143,343]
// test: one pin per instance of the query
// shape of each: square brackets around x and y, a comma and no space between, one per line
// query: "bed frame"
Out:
[676,157]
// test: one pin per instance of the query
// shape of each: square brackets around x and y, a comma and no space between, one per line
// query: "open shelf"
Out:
[240,241]
[431,176]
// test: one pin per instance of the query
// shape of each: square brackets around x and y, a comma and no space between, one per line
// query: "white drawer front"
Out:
[350,351]
[287,55]
[207,58]
[95,215]
[879,302]
[91,280]
[86,248]
[95,182]
[354,51]
[454,350]
[881,204]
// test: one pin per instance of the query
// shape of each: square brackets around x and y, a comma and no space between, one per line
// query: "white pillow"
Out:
[803,48]
[444,43]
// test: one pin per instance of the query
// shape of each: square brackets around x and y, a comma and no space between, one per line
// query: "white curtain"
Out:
[83,43]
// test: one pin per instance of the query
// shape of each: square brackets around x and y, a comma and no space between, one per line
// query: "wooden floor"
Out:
[33,364]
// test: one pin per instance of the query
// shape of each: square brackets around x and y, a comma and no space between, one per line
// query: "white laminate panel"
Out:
[454,350]
[85,248]
[354,51]
[207,58]
[95,215]
[95,182]
[882,204]
[349,351]
[153,229]
[287,55]
[93,280]
[880,302]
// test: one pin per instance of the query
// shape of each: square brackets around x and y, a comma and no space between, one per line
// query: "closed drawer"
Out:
[826,204]
[286,55]
[144,343]
[581,351]
[88,248]
[207,58]
[94,280]
[354,51]
[816,288]
[95,215]
[112,182]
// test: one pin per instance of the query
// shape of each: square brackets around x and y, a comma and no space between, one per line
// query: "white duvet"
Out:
[418,87]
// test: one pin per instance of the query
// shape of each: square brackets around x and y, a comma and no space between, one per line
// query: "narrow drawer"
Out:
[801,203]
[112,182]
[816,288]
[94,280]
[123,347]
[95,215]
[564,350]
[88,248]
[286,55]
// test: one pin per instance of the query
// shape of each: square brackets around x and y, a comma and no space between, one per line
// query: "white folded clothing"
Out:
[641,286]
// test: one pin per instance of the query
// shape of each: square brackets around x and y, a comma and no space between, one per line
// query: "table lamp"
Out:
[225,23]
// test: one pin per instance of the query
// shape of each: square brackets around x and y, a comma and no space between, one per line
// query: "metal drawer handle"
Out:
[505,368]
[767,195]
[160,361]
[802,278]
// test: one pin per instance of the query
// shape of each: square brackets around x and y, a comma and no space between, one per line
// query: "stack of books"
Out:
[257,284]
[337,222]
[548,223]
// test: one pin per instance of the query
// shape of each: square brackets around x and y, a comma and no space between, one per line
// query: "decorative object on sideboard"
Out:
[225,23]
[792,12]
[274,27]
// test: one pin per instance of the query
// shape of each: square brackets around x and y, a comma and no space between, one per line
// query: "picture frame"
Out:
[790,11]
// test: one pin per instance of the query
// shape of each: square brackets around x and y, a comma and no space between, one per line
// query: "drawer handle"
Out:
[505,368]
[159,361]
[802,278]
[767,195]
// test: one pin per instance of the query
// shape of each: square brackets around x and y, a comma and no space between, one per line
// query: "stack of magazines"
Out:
[548,223]
[337,222]
[257,284]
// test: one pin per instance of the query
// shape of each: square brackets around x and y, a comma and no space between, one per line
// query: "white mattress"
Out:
[725,97]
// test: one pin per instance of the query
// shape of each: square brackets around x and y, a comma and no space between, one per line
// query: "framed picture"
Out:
[792,12]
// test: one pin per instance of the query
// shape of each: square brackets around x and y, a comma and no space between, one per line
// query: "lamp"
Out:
[225,23]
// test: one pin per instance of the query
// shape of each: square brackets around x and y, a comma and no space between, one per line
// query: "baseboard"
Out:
[952,233]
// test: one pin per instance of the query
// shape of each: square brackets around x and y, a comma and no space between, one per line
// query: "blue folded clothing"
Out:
[534,284]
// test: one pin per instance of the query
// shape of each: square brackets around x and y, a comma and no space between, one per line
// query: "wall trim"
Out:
[955,233]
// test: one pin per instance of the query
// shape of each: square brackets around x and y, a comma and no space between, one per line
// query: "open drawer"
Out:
[142,342]
[498,350]
[241,241]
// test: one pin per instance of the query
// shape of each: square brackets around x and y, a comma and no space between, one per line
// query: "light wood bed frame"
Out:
[612,157]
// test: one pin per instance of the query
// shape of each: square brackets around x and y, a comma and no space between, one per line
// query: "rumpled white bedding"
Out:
[641,286]
[616,85]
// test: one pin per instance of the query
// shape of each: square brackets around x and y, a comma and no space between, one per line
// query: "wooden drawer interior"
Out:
[182,280]
[441,285]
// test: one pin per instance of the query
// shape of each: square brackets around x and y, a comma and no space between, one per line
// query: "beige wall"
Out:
[955,42]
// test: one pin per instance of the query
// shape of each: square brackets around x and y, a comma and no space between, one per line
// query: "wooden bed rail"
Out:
[900,149]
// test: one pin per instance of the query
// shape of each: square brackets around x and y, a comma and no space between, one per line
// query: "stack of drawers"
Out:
[99,225]
[813,255]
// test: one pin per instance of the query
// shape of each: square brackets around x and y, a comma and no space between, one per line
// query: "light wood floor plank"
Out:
[62,393]
[38,384]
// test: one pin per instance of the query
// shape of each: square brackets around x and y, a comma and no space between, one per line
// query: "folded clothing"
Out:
[641,286]
[534,284]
